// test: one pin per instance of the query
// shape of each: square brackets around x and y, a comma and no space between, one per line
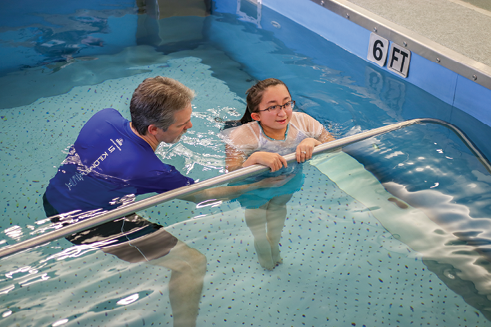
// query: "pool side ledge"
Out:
[444,73]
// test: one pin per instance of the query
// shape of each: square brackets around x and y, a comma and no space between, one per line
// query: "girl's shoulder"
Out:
[244,130]
[301,116]
[306,124]
[303,120]
[245,134]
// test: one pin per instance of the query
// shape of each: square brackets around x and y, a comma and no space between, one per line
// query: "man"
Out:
[113,160]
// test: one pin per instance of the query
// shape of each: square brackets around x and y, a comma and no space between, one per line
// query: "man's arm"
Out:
[226,193]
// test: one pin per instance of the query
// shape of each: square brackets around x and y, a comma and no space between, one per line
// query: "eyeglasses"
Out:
[287,106]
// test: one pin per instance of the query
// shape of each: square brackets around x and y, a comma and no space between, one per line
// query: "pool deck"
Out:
[462,26]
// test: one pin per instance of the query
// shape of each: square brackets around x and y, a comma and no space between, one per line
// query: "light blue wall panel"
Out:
[437,80]
[474,99]
[327,24]
[432,77]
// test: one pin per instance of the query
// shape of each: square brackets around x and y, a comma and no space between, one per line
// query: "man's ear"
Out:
[256,116]
[152,129]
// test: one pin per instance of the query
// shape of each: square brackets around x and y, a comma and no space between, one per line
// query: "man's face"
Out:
[182,122]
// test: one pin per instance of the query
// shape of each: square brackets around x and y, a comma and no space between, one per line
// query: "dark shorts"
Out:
[131,238]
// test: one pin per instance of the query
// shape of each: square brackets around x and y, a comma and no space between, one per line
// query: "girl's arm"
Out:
[234,158]
[306,147]
[237,159]
[226,193]
[325,136]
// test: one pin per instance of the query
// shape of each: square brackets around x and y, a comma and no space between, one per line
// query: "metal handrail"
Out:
[240,173]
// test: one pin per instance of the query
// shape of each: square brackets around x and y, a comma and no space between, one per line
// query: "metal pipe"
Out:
[240,173]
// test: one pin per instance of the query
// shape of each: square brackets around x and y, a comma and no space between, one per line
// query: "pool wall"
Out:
[471,98]
[433,77]
[33,32]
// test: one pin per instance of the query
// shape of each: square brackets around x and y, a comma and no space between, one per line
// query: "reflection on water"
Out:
[14,232]
[441,178]
[6,313]
[340,263]
[330,240]
[59,322]
[128,300]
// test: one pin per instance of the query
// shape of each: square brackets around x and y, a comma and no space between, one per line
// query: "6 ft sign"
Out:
[399,57]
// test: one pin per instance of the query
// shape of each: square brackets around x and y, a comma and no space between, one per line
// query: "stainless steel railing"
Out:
[240,173]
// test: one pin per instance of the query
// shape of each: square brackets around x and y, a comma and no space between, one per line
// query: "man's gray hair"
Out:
[156,100]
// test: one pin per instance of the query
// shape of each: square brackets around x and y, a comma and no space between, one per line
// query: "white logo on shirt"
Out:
[79,176]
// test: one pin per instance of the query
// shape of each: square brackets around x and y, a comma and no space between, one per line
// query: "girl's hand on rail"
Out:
[273,160]
[305,148]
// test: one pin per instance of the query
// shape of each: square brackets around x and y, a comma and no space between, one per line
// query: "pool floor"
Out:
[341,267]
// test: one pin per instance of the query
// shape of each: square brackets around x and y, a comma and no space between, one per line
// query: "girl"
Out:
[269,130]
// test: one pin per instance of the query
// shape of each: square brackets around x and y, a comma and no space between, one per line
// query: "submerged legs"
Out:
[275,217]
[256,221]
[188,267]
[266,224]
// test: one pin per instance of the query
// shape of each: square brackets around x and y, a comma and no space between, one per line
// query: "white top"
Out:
[250,137]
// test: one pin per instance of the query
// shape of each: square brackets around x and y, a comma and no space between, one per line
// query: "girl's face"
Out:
[277,118]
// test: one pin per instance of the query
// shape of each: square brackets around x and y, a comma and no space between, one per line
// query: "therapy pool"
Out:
[391,230]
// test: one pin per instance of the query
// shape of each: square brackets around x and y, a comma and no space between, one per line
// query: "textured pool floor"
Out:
[341,267]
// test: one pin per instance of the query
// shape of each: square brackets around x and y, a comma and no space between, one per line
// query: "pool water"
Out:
[352,255]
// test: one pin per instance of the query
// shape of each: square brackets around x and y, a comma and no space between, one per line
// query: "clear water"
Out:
[352,255]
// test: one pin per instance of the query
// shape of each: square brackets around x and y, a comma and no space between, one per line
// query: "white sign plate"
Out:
[399,59]
[378,47]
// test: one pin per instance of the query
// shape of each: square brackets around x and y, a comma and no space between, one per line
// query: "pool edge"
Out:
[456,88]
